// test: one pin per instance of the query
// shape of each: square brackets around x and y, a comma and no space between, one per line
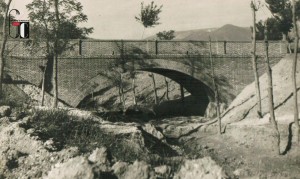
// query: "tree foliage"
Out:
[282,12]
[149,15]
[5,9]
[166,35]
[273,29]
[54,23]
[44,25]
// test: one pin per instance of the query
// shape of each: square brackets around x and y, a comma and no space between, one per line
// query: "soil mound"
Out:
[244,105]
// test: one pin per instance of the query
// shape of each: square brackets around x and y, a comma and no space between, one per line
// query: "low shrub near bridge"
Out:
[86,134]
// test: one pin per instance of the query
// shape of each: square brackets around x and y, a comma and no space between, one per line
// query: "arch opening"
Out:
[194,104]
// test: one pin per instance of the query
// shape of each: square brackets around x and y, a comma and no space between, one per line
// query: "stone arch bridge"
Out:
[85,69]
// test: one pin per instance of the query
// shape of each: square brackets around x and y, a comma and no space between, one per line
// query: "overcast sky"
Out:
[114,19]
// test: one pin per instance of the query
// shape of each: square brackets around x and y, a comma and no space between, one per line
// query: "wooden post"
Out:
[217,46]
[225,43]
[122,56]
[182,93]
[294,75]
[43,86]
[147,46]
[254,61]
[154,88]
[80,47]
[215,87]
[156,47]
[270,91]
[167,89]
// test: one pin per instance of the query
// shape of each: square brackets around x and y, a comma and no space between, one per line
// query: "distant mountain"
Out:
[227,32]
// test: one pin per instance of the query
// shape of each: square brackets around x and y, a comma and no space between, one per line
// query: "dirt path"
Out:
[246,151]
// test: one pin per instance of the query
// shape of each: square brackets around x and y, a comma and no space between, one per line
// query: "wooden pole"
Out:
[270,91]
[294,76]
[182,93]
[215,87]
[254,62]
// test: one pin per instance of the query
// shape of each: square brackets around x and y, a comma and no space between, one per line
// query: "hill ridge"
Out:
[228,32]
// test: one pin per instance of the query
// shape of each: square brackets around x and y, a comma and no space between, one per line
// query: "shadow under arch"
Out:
[200,92]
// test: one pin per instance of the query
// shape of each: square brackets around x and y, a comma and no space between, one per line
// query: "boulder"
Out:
[150,128]
[139,169]
[211,110]
[4,121]
[240,172]
[77,167]
[163,171]
[5,111]
[204,168]
[119,168]
[101,158]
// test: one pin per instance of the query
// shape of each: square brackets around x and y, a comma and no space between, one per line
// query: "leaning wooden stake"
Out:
[215,87]
[296,113]
[154,88]
[121,91]
[43,87]
[167,88]
[133,91]
[270,92]
[254,61]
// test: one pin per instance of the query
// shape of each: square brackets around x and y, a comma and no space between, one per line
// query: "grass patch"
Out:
[67,131]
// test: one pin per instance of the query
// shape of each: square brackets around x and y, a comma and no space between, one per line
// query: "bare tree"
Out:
[296,113]
[254,60]
[270,90]
[215,88]
[3,44]
[148,18]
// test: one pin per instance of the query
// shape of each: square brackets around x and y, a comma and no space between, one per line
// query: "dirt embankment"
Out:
[247,148]
[70,143]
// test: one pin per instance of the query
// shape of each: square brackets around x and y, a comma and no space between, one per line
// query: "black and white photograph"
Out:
[149,89]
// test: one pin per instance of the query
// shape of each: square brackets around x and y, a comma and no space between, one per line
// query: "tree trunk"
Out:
[287,43]
[122,93]
[254,63]
[133,91]
[215,88]
[55,85]
[296,113]
[182,94]
[43,87]
[3,45]
[154,88]
[270,92]
[167,88]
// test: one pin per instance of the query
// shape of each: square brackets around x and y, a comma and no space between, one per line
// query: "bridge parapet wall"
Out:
[95,48]
[89,59]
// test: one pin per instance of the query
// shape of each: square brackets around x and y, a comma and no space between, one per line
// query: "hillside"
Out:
[227,32]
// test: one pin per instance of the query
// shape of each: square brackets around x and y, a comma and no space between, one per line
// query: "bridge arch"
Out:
[199,90]
[198,84]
